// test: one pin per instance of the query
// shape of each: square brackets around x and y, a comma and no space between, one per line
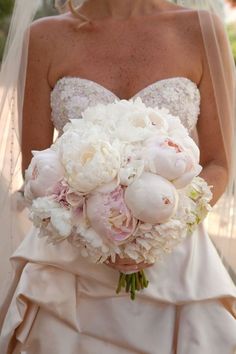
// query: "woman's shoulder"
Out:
[193,22]
[208,25]
[49,28]
[193,15]
[52,22]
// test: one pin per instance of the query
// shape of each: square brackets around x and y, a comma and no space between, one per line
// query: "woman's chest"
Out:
[125,59]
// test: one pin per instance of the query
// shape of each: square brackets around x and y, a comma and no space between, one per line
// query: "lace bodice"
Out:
[72,95]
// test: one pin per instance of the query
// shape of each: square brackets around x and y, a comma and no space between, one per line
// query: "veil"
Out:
[221,223]
[12,81]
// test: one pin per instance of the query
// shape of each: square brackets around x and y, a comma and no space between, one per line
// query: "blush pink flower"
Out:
[174,160]
[109,216]
[43,173]
[66,196]
[151,198]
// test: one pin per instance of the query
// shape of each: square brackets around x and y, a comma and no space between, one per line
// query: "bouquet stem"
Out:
[132,283]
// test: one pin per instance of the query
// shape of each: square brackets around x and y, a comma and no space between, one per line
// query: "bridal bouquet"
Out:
[121,181]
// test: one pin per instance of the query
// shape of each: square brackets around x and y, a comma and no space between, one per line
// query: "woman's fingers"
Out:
[123,268]
[127,265]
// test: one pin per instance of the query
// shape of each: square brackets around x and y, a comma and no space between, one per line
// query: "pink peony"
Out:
[43,173]
[109,216]
[151,198]
[176,161]
[66,196]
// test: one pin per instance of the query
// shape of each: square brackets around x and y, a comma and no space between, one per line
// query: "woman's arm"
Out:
[214,137]
[37,127]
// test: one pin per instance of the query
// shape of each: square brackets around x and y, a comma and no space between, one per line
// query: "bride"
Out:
[107,50]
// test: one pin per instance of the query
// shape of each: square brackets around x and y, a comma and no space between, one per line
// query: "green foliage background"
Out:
[6,7]
[232,37]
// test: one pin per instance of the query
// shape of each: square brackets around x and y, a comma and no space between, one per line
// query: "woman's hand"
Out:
[124,265]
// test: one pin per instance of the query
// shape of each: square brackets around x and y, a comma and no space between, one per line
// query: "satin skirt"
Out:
[59,303]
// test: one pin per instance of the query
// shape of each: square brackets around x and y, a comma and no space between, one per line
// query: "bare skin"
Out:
[130,44]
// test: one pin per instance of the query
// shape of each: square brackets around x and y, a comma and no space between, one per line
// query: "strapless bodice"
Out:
[72,95]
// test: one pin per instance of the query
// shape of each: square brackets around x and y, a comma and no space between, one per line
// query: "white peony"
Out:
[89,163]
[98,115]
[129,121]
[159,118]
[134,127]
[81,130]
[151,198]
[113,112]
[175,127]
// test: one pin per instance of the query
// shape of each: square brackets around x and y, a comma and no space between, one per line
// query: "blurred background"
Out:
[6,7]
[47,9]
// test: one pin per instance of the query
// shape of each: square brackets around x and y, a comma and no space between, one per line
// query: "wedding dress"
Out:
[60,303]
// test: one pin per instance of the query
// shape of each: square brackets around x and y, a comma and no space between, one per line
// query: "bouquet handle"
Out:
[132,282]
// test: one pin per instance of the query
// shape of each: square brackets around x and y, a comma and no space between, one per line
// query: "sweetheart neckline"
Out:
[117,97]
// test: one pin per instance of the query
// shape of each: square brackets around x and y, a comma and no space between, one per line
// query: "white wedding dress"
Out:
[61,304]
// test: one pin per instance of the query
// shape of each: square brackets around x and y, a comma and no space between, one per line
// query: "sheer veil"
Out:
[221,221]
[12,79]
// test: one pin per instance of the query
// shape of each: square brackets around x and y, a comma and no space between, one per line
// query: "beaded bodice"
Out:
[72,95]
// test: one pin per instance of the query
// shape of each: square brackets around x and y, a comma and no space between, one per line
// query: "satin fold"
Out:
[61,303]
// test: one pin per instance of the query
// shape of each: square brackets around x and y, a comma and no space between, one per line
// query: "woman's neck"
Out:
[120,9]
